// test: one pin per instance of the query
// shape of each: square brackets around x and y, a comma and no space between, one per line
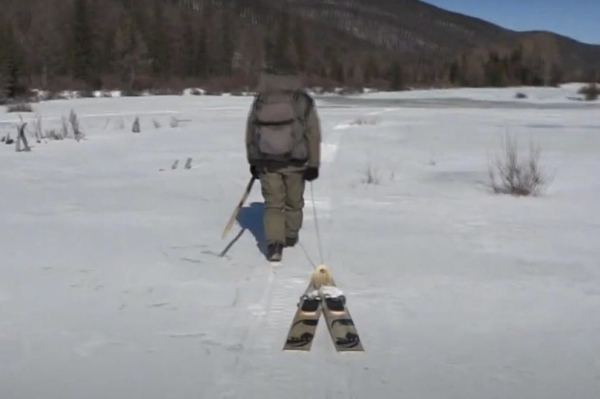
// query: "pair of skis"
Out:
[322,297]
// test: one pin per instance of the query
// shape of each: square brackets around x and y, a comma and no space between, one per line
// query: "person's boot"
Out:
[291,241]
[274,252]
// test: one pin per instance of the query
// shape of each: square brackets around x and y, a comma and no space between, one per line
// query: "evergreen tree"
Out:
[337,70]
[454,74]
[323,72]
[371,70]
[188,45]
[300,46]
[227,45]
[396,76]
[281,56]
[202,61]
[82,43]
[10,62]
[3,62]
[132,52]
[159,47]
[493,71]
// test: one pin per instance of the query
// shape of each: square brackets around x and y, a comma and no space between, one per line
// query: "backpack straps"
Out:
[302,95]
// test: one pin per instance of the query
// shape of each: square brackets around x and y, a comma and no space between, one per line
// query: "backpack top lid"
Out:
[271,83]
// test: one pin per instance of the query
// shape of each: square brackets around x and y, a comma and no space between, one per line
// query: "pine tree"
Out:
[371,71]
[494,71]
[337,70]
[82,42]
[3,63]
[10,63]
[202,61]
[454,73]
[281,56]
[227,45]
[188,47]
[300,46]
[395,76]
[131,50]
[159,43]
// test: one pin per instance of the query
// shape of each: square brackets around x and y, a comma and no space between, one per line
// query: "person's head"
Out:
[276,76]
[279,69]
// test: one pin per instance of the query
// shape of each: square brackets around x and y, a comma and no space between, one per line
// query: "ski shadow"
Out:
[251,218]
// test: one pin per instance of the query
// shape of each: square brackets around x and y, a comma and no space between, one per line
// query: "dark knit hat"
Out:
[279,67]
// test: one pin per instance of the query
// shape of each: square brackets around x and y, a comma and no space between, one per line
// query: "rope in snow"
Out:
[312,194]
[308,256]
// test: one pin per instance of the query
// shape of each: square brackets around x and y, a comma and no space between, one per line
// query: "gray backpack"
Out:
[280,127]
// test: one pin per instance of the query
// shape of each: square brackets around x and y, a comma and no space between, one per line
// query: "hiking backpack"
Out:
[279,126]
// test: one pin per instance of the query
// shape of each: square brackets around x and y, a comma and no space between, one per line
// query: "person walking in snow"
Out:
[283,138]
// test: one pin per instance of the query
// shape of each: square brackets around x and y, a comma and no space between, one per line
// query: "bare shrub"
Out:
[70,128]
[371,176]
[74,120]
[131,93]
[64,129]
[591,92]
[19,107]
[521,95]
[21,137]
[516,177]
[54,135]
[39,135]
[156,123]
[120,124]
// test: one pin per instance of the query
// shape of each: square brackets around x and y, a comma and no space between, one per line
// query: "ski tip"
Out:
[323,269]
[322,276]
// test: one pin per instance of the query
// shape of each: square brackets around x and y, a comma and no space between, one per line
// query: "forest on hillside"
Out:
[167,45]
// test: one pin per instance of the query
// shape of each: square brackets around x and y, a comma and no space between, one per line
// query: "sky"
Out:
[577,19]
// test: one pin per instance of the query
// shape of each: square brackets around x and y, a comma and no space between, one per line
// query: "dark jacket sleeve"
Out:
[249,134]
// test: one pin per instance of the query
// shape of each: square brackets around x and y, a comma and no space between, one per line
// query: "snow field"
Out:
[115,282]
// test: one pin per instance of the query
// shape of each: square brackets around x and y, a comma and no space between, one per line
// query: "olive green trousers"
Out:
[283,192]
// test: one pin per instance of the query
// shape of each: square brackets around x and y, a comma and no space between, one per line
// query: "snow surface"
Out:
[115,283]
[566,93]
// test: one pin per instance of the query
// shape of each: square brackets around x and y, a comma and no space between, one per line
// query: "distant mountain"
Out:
[221,45]
[416,27]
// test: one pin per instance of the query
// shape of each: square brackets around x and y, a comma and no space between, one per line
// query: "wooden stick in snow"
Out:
[136,125]
[21,136]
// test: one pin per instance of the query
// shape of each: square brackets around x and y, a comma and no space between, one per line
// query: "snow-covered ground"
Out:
[115,283]
[566,93]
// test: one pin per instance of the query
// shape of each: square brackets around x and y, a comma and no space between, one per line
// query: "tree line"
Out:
[136,45]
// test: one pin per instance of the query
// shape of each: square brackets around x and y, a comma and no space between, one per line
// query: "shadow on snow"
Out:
[251,218]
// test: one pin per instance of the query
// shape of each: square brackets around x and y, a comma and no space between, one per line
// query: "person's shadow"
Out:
[251,218]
